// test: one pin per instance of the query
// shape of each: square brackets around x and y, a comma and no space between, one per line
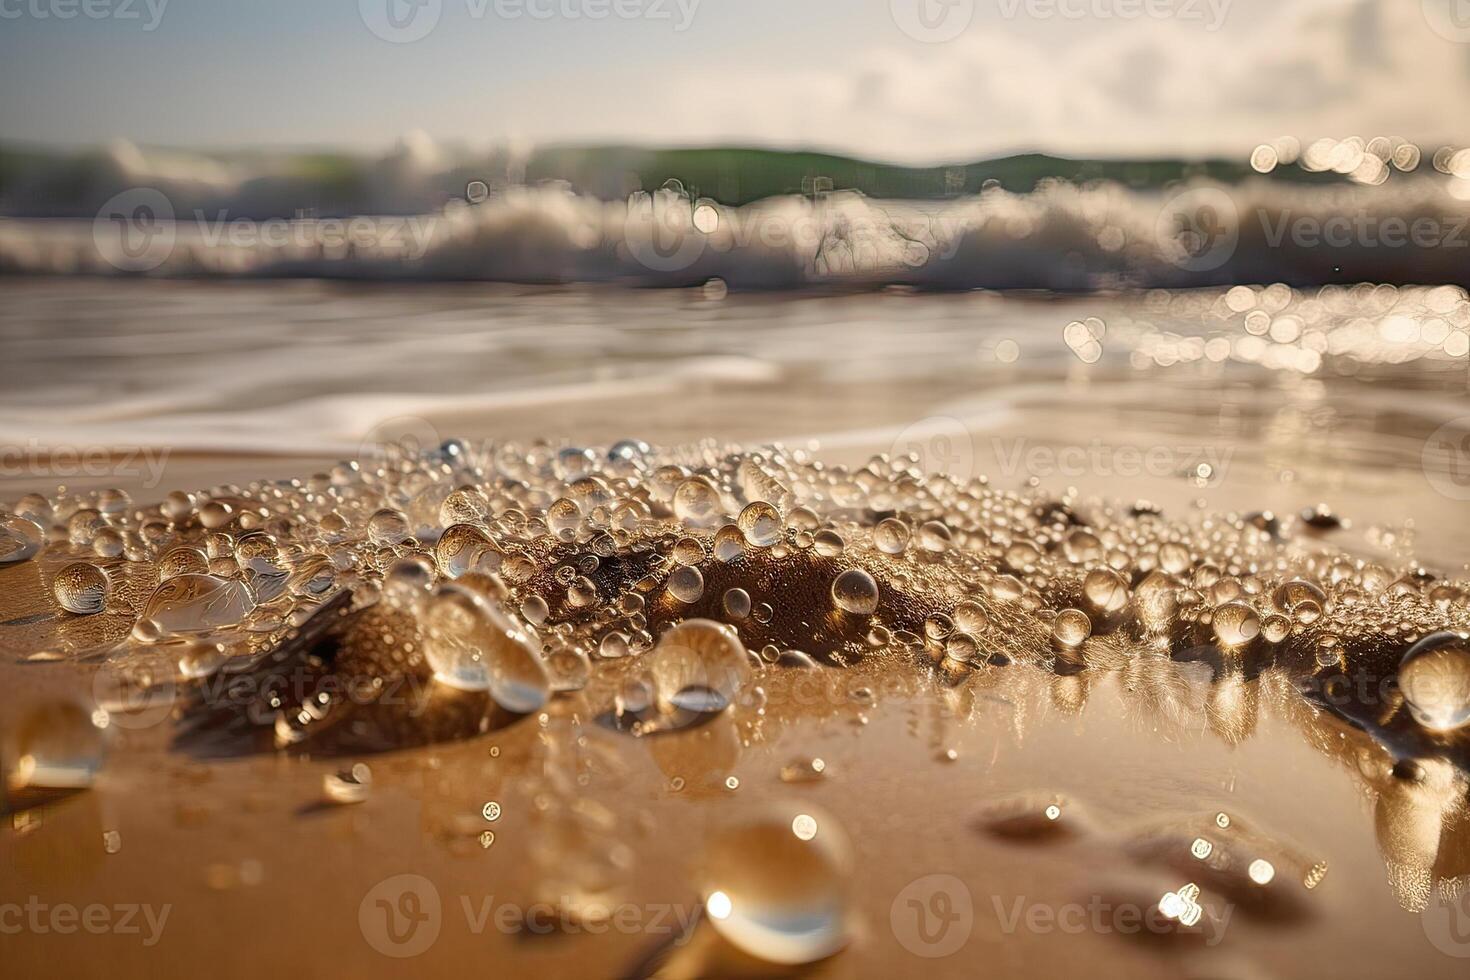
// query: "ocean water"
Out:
[1286,397]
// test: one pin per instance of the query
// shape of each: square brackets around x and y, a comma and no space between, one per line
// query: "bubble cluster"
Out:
[519,572]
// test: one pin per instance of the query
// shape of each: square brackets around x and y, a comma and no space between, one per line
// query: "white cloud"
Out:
[1311,68]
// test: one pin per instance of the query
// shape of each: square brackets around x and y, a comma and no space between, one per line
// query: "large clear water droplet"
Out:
[81,588]
[19,538]
[459,548]
[1236,624]
[854,591]
[697,503]
[1435,678]
[760,522]
[472,644]
[776,884]
[198,603]
[698,665]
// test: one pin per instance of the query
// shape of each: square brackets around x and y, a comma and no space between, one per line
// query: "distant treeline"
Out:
[735,175]
[43,182]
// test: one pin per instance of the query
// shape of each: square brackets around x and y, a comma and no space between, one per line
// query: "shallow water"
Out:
[1335,399]
[925,776]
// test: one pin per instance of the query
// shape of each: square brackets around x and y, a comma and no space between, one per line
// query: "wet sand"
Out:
[259,873]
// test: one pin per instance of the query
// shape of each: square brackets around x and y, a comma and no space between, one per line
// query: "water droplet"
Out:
[214,514]
[459,548]
[1105,591]
[891,536]
[388,527]
[1071,627]
[688,551]
[582,592]
[348,785]
[729,543]
[1275,628]
[776,885]
[1289,596]
[934,536]
[81,588]
[471,644]
[1032,817]
[569,668]
[1236,624]
[697,503]
[535,610]
[854,591]
[199,660]
[198,603]
[804,771]
[182,560]
[970,617]
[563,517]
[107,543]
[1435,678]
[463,506]
[737,603]
[700,665]
[761,524]
[686,584]
[828,543]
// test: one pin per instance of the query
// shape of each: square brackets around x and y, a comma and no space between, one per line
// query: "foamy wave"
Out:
[1060,237]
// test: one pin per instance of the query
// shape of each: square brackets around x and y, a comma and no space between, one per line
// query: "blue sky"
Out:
[1077,76]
